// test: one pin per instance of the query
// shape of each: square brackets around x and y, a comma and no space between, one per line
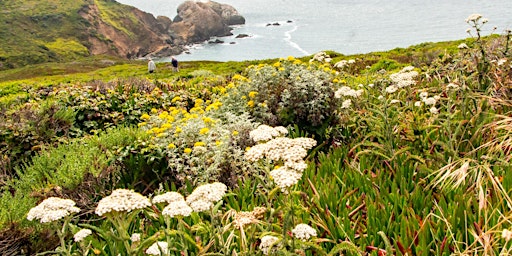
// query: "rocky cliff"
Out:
[34,31]
[198,21]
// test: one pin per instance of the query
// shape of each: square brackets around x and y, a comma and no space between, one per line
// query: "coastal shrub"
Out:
[287,92]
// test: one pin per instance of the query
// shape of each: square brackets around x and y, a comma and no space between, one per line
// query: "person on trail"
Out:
[151,66]
[174,63]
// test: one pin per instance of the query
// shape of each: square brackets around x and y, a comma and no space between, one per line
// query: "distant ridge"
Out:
[35,31]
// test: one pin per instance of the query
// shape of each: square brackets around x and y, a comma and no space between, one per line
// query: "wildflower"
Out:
[267,242]
[171,146]
[423,95]
[430,101]
[135,237]
[501,62]
[417,104]
[485,20]
[473,17]
[404,77]
[391,89]
[158,248]
[252,94]
[199,144]
[178,130]
[81,234]
[168,197]
[506,234]
[235,133]
[452,86]
[351,61]
[251,104]
[187,150]
[243,219]
[303,232]
[394,101]
[122,200]
[177,98]
[380,97]
[285,177]
[370,85]
[177,208]
[203,197]
[52,209]
[154,111]
[341,64]
[434,110]
[265,133]
[463,46]
[347,91]
[145,117]
[346,103]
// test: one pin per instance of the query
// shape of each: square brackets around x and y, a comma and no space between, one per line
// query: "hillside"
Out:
[33,31]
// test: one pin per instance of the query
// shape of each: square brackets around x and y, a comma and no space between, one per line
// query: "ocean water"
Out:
[346,26]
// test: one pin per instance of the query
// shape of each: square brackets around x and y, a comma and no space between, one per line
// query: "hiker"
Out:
[151,66]
[174,63]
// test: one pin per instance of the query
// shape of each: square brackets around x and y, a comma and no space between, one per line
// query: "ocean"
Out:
[345,26]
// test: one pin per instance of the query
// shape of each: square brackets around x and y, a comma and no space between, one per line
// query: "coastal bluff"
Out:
[60,30]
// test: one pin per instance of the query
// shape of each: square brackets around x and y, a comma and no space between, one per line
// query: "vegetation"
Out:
[406,152]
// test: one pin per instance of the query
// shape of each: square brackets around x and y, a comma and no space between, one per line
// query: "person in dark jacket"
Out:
[174,63]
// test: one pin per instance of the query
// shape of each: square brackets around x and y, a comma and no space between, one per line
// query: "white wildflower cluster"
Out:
[321,57]
[81,234]
[404,78]
[158,248]
[168,197]
[52,209]
[463,46]
[500,62]
[452,86]
[428,101]
[303,232]
[506,234]
[267,244]
[348,92]
[344,63]
[122,200]
[346,103]
[266,133]
[135,237]
[473,17]
[204,196]
[290,152]
[177,208]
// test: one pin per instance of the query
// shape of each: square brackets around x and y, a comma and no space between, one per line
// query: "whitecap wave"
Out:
[288,39]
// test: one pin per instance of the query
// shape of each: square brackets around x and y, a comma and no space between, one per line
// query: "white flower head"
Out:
[267,244]
[346,103]
[81,234]
[285,177]
[303,232]
[463,46]
[168,197]
[204,196]
[158,248]
[452,86]
[52,209]
[122,200]
[506,234]
[394,101]
[430,101]
[178,208]
[266,133]
[417,104]
[135,237]
[473,17]
[391,89]
[434,110]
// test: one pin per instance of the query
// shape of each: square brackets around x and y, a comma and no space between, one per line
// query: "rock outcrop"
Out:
[199,21]
[148,35]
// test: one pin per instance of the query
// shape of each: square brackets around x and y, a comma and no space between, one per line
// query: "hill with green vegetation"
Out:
[404,152]
[33,32]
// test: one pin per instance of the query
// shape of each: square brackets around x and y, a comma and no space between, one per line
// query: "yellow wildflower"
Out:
[204,131]
[145,117]
[251,104]
[178,130]
[291,58]
[187,150]
[177,98]
[335,80]
[243,97]
[218,143]
[141,124]
[297,62]
[199,144]
[277,64]
[154,111]
[247,148]
[235,133]
[252,94]
[171,146]
[163,115]
[166,126]
[281,69]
